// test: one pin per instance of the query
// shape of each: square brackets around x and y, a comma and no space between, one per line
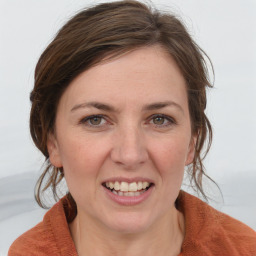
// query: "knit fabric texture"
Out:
[208,232]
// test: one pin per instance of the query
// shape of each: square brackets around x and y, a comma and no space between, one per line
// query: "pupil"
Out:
[158,120]
[95,120]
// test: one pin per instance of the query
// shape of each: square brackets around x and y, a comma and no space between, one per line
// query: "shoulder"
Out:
[214,232]
[36,241]
[49,237]
[232,234]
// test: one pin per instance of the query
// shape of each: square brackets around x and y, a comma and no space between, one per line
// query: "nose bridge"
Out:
[129,147]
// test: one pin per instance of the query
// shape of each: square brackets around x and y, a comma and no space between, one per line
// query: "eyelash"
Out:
[170,120]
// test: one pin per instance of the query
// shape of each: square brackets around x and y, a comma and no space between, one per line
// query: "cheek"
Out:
[82,159]
[170,155]
[169,160]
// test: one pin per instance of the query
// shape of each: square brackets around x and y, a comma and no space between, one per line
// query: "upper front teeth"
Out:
[125,186]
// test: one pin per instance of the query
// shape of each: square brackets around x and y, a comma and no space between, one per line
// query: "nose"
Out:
[129,148]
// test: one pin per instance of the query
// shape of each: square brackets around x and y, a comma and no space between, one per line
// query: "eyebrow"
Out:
[109,108]
[98,105]
[160,105]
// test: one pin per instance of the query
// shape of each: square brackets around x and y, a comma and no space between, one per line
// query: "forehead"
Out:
[141,76]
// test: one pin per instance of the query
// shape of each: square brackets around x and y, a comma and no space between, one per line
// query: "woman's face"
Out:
[125,123]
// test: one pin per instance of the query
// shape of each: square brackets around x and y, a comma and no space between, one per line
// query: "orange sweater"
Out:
[208,232]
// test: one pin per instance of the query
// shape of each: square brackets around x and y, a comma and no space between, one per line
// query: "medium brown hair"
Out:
[104,31]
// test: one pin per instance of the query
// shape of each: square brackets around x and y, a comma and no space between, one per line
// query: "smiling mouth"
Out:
[127,189]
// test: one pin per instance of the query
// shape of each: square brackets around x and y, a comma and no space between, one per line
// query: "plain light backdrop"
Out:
[224,29]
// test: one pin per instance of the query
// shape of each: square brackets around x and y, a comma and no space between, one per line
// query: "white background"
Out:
[224,29]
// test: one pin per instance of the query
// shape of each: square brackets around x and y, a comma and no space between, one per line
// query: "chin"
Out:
[129,223]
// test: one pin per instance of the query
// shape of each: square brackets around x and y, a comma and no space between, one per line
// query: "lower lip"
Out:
[128,200]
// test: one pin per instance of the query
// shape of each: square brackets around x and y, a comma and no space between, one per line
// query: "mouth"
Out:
[127,189]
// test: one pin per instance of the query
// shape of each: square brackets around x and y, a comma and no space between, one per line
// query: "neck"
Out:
[164,238]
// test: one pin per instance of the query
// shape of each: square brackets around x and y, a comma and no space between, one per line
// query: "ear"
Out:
[191,150]
[53,150]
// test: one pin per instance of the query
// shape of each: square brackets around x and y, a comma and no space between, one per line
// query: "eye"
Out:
[94,121]
[160,120]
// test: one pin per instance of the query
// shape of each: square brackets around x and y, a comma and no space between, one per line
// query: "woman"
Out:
[118,110]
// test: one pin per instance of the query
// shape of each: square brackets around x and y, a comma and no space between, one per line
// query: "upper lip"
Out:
[128,180]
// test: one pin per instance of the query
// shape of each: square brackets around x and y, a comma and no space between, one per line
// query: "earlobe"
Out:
[191,151]
[53,150]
